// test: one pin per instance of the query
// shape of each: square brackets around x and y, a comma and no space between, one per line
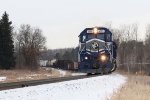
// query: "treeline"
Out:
[22,48]
[133,53]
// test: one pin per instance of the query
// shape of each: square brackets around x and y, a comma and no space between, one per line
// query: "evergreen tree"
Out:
[0,46]
[7,59]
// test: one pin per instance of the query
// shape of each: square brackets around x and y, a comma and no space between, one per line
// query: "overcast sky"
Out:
[63,20]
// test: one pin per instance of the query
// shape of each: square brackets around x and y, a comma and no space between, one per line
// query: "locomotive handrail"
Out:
[82,49]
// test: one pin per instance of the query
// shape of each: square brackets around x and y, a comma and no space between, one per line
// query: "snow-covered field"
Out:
[95,88]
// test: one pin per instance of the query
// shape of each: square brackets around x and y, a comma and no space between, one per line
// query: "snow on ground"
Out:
[95,88]
[2,79]
[77,74]
[62,73]
[47,68]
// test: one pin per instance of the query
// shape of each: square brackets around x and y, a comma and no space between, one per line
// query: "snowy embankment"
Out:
[95,88]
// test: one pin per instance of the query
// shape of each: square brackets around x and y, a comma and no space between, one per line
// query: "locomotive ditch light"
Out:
[86,58]
[103,57]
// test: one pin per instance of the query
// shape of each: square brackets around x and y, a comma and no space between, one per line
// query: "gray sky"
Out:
[63,20]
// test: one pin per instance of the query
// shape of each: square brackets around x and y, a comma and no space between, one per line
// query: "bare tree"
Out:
[147,34]
[31,42]
[147,43]
[127,49]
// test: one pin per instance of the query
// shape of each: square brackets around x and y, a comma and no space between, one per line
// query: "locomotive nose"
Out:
[95,45]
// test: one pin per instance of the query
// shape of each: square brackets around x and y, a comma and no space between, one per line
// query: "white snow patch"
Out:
[95,88]
[62,73]
[2,79]
[47,68]
[48,75]
[20,78]
[77,74]
[27,77]
[33,75]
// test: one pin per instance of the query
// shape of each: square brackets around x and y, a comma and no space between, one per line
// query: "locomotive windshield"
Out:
[90,36]
[98,36]
[101,36]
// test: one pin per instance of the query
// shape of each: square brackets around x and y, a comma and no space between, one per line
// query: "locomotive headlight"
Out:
[95,30]
[86,58]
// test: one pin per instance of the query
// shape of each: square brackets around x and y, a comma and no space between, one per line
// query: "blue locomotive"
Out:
[97,51]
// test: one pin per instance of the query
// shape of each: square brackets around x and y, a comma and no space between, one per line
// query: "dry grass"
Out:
[24,75]
[136,88]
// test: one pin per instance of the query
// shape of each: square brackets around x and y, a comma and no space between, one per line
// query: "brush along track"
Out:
[5,86]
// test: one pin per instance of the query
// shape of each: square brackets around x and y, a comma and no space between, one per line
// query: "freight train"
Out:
[96,54]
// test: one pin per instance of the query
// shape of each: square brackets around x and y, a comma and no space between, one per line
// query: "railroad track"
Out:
[5,86]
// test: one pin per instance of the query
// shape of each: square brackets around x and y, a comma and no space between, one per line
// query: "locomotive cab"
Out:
[96,50]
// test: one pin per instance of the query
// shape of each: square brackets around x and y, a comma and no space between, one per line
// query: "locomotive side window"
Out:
[108,37]
[83,38]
